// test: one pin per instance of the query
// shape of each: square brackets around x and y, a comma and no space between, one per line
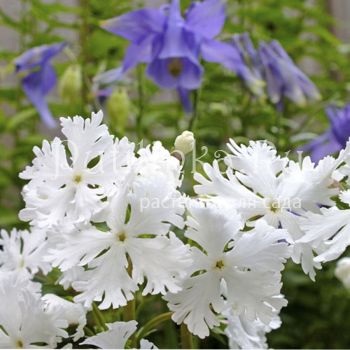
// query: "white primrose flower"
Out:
[116,336]
[23,252]
[154,161]
[135,245]
[261,184]
[231,268]
[74,314]
[245,334]
[24,323]
[21,280]
[328,232]
[71,178]
[69,276]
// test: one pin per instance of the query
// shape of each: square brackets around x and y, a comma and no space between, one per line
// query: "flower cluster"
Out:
[111,223]
[271,64]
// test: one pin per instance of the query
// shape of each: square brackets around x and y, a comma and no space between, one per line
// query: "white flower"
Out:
[241,268]
[260,184]
[23,252]
[137,239]
[245,334]
[155,161]
[69,276]
[185,142]
[342,271]
[23,320]
[74,314]
[21,281]
[328,232]
[116,337]
[72,182]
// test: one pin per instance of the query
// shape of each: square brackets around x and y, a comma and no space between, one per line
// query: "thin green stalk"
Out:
[88,332]
[129,310]
[99,319]
[84,48]
[141,102]
[194,116]
[186,337]
[153,324]
[278,129]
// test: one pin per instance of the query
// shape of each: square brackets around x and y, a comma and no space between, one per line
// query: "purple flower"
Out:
[250,56]
[283,78]
[335,138]
[172,45]
[271,63]
[41,77]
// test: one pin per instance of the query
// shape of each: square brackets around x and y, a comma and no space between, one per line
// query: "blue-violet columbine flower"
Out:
[172,45]
[283,78]
[40,77]
[335,138]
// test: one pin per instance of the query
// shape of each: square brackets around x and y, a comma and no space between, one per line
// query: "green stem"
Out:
[88,332]
[84,49]
[278,129]
[153,324]
[141,102]
[194,116]
[186,338]
[279,125]
[99,319]
[129,311]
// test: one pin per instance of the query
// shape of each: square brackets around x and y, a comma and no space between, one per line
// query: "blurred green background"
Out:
[318,314]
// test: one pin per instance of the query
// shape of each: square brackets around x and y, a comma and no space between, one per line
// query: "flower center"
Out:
[77,178]
[19,344]
[175,67]
[121,236]
[219,264]
[274,206]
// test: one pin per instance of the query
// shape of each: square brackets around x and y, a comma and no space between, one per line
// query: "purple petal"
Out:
[175,40]
[103,94]
[244,45]
[283,77]
[136,25]
[324,150]
[340,123]
[36,86]
[138,53]
[322,146]
[109,76]
[273,76]
[207,18]
[174,14]
[228,56]
[175,73]
[37,56]
[186,102]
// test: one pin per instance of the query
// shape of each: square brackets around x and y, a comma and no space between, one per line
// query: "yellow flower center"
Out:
[274,206]
[175,67]
[219,264]
[19,344]
[121,237]
[77,178]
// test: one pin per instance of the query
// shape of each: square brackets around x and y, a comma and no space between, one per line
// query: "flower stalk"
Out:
[186,337]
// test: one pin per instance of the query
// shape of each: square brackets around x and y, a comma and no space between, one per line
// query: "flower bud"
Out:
[185,142]
[118,109]
[342,271]
[71,83]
